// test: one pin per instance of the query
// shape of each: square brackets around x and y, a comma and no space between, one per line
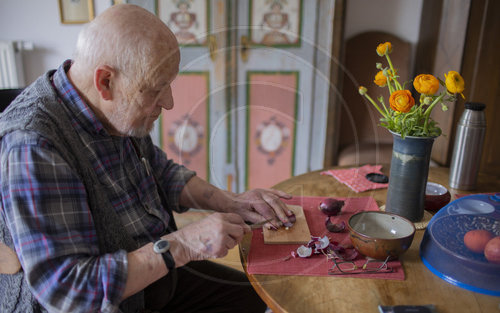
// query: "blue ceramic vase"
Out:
[408,176]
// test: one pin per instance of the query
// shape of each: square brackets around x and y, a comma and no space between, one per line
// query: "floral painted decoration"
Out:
[402,115]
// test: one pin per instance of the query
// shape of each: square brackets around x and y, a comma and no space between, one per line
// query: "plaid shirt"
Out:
[45,205]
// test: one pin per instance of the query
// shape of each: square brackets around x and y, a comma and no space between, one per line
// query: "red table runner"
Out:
[275,260]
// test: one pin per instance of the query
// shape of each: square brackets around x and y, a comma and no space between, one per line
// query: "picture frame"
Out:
[278,23]
[150,5]
[189,20]
[76,11]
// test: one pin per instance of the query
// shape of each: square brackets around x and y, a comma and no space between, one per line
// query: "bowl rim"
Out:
[439,186]
[414,229]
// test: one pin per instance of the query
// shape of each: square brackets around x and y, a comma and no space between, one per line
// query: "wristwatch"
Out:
[162,247]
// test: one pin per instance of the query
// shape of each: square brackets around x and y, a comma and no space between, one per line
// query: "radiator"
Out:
[11,66]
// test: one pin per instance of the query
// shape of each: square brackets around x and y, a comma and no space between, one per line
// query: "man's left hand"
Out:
[259,205]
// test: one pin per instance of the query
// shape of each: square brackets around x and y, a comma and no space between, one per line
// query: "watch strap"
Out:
[162,247]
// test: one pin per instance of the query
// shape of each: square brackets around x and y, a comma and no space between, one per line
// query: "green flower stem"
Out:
[385,107]
[391,89]
[427,112]
[375,105]
[396,83]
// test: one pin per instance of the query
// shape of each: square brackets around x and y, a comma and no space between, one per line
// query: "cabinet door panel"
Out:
[271,114]
[185,131]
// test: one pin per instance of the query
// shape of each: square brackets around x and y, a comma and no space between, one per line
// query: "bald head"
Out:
[129,39]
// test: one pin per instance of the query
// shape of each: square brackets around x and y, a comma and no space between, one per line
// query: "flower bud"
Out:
[379,66]
[362,90]
[384,48]
[380,79]
[427,100]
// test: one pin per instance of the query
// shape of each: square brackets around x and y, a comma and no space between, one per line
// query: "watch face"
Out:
[161,246]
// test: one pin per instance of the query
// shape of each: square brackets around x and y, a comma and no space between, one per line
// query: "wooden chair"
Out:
[9,263]
[361,139]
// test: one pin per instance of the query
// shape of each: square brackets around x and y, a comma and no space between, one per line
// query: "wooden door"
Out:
[252,93]
[281,95]
[186,132]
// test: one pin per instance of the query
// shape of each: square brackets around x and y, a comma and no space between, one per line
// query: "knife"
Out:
[259,224]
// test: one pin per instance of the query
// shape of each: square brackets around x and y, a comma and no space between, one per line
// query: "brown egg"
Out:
[476,240]
[492,250]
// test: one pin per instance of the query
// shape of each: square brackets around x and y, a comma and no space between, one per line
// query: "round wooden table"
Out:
[340,294]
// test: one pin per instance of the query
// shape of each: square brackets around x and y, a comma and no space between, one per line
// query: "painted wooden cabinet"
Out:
[251,98]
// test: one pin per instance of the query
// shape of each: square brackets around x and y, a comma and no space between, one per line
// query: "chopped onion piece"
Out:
[304,252]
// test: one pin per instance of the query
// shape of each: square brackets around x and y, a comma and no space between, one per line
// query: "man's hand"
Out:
[258,205]
[210,237]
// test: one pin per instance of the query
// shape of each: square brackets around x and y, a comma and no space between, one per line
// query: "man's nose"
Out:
[167,100]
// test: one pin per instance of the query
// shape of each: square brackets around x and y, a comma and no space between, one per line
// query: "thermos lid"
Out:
[475,106]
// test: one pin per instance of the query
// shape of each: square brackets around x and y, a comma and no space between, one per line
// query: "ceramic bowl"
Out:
[436,196]
[379,235]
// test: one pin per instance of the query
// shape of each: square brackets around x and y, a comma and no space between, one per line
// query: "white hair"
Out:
[126,42]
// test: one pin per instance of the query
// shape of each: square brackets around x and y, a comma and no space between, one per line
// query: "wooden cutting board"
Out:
[298,233]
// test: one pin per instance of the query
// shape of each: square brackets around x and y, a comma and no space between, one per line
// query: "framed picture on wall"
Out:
[276,23]
[149,5]
[189,20]
[76,11]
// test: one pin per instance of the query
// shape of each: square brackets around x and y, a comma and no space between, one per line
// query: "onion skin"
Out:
[331,207]
[334,228]
[492,250]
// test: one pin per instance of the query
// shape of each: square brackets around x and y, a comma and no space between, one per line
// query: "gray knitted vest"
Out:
[37,108]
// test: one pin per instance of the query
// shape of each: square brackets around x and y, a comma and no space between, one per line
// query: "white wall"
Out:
[38,21]
[398,17]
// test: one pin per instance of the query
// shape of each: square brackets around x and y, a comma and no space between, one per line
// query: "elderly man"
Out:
[87,199]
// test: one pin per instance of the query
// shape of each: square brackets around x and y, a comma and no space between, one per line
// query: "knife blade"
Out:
[260,224]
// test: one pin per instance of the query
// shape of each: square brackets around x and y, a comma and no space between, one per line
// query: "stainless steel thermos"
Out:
[468,146]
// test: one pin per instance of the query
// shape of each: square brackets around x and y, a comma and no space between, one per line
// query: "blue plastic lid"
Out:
[444,253]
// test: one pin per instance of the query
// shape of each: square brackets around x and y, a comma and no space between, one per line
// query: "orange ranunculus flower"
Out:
[454,82]
[426,84]
[401,101]
[380,79]
[384,48]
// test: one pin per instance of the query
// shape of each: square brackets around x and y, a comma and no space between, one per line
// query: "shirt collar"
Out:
[69,95]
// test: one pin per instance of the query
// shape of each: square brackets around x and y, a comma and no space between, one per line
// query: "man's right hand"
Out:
[210,237]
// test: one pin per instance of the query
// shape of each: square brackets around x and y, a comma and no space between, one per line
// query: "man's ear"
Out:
[104,80]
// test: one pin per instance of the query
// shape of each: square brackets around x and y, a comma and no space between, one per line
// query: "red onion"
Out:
[291,219]
[331,207]
[334,228]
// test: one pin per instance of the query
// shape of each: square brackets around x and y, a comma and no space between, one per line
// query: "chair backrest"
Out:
[7,96]
[9,263]
[357,115]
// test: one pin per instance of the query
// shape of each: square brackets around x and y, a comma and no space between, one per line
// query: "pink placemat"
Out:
[355,178]
[275,260]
